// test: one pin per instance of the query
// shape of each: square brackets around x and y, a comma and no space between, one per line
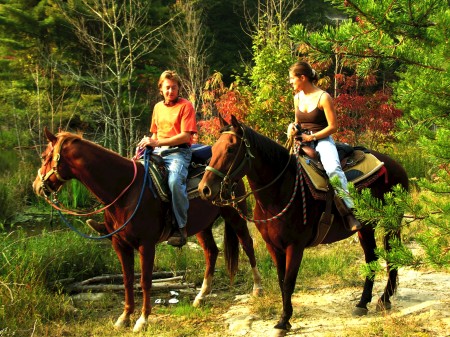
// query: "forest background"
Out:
[91,66]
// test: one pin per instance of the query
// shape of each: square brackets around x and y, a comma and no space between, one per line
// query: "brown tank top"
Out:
[314,120]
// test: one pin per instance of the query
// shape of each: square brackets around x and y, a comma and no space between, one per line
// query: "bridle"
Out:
[228,186]
[54,170]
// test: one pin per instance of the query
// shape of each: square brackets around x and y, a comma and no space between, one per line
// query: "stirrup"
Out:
[178,239]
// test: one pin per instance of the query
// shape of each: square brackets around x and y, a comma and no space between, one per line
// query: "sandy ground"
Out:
[421,297]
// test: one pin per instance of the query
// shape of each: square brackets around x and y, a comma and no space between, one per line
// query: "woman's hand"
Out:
[308,138]
[292,130]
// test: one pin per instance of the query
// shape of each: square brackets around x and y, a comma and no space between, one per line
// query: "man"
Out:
[173,124]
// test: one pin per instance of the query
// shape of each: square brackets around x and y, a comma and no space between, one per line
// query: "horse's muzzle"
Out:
[205,191]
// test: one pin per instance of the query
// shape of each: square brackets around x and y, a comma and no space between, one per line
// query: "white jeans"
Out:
[330,161]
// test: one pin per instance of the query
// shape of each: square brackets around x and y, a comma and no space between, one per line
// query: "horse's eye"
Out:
[230,150]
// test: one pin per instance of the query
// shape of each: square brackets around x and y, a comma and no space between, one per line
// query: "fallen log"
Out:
[159,286]
[117,278]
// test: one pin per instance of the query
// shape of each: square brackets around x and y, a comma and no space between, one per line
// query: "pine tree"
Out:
[409,40]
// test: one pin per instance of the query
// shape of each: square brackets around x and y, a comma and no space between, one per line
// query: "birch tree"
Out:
[187,35]
[118,35]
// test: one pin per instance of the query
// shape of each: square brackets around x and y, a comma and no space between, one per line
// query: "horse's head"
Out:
[229,163]
[53,172]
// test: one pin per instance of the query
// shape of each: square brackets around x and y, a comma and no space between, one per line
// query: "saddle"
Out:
[358,164]
[158,184]
[360,167]
[200,158]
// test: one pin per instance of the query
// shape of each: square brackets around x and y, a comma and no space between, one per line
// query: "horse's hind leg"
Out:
[210,251]
[368,243]
[234,221]
[384,302]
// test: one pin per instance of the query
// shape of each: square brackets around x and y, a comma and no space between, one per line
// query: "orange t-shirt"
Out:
[169,121]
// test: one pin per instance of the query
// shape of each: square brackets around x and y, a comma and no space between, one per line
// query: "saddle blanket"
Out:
[357,173]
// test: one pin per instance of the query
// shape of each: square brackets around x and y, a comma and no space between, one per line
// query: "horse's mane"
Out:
[68,136]
[270,151]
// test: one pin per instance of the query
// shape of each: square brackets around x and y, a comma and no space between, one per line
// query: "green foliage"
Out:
[75,195]
[15,186]
[399,255]
[271,101]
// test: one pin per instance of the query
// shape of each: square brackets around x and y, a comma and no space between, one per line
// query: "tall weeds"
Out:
[30,268]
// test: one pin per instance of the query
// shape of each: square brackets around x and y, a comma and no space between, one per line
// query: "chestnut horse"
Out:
[108,175]
[280,218]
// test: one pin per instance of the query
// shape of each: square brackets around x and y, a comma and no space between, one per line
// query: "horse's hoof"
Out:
[283,326]
[122,323]
[198,302]
[258,292]
[279,333]
[359,312]
[383,306]
[141,324]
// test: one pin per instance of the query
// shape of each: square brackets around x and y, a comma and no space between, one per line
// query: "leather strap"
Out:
[326,219]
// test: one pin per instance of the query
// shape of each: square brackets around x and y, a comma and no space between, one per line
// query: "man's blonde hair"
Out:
[169,75]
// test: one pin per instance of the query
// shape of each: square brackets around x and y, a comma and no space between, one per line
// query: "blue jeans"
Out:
[330,161]
[177,162]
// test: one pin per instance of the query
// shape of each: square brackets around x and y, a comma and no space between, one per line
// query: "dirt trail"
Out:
[422,297]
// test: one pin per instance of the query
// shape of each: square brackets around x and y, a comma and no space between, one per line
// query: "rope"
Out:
[54,203]
[298,177]
[68,224]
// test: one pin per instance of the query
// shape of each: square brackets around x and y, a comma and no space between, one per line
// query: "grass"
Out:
[30,304]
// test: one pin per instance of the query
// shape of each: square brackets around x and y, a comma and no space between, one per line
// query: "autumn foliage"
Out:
[367,118]
[219,100]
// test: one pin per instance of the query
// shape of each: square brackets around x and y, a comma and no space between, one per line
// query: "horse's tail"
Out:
[231,250]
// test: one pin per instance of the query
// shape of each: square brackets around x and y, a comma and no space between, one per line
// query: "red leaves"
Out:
[370,114]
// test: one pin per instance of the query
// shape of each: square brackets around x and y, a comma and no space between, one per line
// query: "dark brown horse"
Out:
[108,175]
[271,172]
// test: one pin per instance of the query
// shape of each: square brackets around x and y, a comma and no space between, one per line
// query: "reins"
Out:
[233,201]
[146,164]
[298,177]
[54,203]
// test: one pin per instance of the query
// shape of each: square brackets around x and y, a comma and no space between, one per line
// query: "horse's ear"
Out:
[234,121]
[222,121]
[50,136]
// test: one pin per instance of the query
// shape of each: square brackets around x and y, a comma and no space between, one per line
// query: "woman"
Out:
[315,112]
[173,124]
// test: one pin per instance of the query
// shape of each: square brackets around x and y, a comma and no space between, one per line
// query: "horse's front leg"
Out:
[210,251]
[126,258]
[147,258]
[288,265]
